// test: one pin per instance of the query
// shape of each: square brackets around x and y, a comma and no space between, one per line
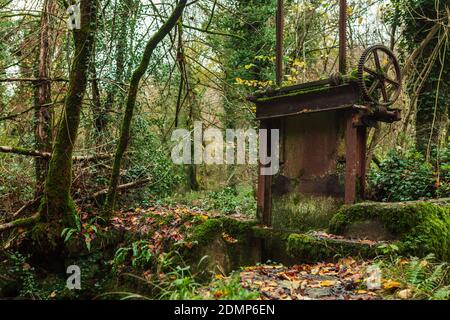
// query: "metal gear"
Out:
[384,88]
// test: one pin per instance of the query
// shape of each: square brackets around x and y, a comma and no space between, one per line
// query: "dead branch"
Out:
[122,187]
[26,206]
[24,152]
[419,49]
[126,186]
[33,80]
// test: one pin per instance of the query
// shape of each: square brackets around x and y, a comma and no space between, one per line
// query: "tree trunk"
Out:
[131,101]
[57,203]
[97,109]
[121,52]
[43,99]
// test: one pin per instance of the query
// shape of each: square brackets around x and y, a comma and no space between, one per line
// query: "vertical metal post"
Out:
[351,159]
[264,203]
[342,36]
[279,42]
[362,150]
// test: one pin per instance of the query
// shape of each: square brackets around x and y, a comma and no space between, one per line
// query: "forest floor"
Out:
[345,279]
[161,256]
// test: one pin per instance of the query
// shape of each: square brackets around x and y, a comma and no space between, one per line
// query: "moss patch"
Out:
[297,93]
[227,242]
[423,227]
[309,248]
[208,230]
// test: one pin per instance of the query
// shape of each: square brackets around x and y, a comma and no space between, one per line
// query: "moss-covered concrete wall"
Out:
[419,227]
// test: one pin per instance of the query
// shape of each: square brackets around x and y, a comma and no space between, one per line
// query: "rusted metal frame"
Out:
[279,41]
[264,203]
[332,98]
[351,158]
[342,36]
[355,154]
[307,111]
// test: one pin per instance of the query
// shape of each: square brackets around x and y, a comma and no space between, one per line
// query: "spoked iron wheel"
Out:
[379,76]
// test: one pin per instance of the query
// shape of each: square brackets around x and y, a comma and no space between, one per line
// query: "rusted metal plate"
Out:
[317,100]
[312,145]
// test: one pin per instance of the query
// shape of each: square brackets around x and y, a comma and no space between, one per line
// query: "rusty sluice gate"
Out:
[323,126]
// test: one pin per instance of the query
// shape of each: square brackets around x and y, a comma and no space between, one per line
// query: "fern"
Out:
[441,294]
[428,279]
[415,272]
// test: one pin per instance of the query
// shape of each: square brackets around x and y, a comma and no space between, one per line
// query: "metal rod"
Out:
[342,36]
[279,42]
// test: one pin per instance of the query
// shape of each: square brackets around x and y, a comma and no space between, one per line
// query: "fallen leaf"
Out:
[228,238]
[391,284]
[361,292]
[327,283]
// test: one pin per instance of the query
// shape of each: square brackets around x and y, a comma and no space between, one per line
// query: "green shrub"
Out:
[403,177]
[441,157]
[232,200]
[147,158]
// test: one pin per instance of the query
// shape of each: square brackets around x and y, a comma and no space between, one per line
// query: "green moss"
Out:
[207,231]
[430,236]
[23,222]
[397,219]
[46,237]
[268,234]
[296,93]
[423,227]
[310,248]
[211,228]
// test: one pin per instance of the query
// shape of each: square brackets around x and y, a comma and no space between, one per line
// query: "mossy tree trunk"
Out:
[57,204]
[428,70]
[131,102]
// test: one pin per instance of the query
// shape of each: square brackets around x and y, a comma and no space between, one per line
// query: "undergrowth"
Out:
[425,279]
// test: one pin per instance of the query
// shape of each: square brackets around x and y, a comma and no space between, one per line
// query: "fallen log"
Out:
[47,155]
